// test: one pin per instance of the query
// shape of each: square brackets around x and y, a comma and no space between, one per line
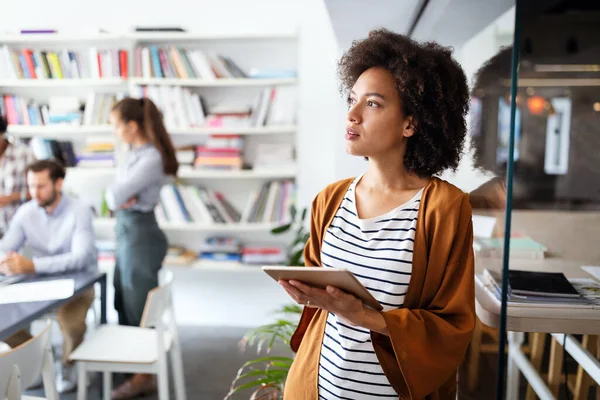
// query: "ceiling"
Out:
[449,22]
[353,19]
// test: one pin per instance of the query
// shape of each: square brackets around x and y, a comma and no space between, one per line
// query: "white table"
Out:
[557,321]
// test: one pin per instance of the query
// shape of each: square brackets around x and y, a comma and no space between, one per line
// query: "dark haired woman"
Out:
[141,245]
[405,234]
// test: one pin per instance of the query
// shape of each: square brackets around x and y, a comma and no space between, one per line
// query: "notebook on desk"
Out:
[551,284]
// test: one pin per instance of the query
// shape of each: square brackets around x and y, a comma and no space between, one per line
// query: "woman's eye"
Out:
[371,103]
[350,101]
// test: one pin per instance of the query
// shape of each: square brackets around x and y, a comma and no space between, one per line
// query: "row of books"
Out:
[214,251]
[183,108]
[64,64]
[180,107]
[218,152]
[187,203]
[177,62]
[97,153]
[21,110]
[225,251]
[270,203]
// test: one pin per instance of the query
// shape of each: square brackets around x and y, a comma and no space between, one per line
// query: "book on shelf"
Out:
[179,62]
[97,152]
[180,107]
[270,203]
[222,152]
[194,204]
[261,255]
[93,63]
[59,110]
[528,288]
[220,249]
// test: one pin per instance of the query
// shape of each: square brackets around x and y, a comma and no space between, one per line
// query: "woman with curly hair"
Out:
[403,232]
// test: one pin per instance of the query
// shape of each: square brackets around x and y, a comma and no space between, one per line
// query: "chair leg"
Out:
[107,385]
[177,365]
[163,379]
[583,381]
[554,367]
[474,355]
[538,340]
[81,381]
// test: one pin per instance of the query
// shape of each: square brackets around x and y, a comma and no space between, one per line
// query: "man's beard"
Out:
[49,201]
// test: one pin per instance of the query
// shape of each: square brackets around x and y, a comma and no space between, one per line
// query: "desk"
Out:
[16,316]
[556,321]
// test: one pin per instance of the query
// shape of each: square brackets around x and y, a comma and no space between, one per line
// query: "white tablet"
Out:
[321,277]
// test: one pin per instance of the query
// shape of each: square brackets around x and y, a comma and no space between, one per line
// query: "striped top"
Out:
[379,252]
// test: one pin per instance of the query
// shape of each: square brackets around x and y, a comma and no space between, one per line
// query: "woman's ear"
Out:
[409,127]
[132,127]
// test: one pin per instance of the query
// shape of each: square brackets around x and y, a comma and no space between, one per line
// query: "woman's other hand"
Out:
[338,302]
[130,203]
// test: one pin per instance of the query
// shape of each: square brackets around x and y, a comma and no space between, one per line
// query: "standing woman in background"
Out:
[141,245]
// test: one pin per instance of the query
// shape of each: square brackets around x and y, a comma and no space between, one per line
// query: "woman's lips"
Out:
[351,134]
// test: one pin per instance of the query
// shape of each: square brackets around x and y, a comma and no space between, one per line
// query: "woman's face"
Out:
[125,131]
[375,125]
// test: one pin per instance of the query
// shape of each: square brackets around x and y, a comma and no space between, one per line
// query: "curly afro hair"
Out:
[433,89]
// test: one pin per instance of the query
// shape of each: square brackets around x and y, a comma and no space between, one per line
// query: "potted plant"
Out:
[267,374]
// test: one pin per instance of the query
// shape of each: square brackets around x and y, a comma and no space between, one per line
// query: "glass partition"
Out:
[539,133]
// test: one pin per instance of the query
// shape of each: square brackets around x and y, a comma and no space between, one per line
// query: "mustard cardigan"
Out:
[429,335]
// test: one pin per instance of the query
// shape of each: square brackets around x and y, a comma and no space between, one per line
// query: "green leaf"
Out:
[271,373]
[293,212]
[295,259]
[297,241]
[304,212]
[281,229]
[258,382]
[291,309]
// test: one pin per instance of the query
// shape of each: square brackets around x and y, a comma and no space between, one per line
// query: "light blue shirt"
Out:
[141,175]
[60,242]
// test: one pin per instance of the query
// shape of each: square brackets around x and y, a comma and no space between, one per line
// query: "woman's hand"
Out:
[338,302]
[130,203]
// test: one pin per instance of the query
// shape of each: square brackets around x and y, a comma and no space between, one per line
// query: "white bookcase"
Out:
[248,51]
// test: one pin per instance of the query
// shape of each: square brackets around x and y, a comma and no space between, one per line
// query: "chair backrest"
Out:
[21,366]
[158,302]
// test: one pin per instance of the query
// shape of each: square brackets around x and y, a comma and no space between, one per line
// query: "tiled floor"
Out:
[211,358]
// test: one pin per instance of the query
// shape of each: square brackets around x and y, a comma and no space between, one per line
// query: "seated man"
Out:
[58,229]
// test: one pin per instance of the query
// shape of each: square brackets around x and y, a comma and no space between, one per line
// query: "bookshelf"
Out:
[252,51]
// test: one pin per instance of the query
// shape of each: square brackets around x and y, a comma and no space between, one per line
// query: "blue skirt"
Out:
[140,250]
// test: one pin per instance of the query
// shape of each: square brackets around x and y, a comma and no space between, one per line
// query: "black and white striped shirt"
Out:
[379,252]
